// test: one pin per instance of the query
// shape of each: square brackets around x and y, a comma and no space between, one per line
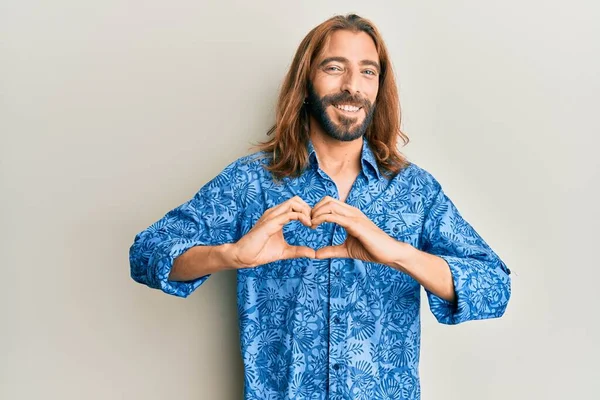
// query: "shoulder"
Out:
[252,165]
[245,169]
[419,185]
[254,160]
[419,179]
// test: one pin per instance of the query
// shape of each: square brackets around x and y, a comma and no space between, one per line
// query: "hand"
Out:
[265,243]
[365,240]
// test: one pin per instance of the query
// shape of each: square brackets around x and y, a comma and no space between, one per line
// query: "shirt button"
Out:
[336,366]
[336,320]
[337,273]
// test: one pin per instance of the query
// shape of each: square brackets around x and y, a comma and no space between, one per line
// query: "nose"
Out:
[350,82]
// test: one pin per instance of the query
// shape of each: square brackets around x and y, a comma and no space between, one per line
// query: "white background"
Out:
[113,113]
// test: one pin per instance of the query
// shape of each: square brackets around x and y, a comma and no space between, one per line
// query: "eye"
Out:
[370,72]
[333,68]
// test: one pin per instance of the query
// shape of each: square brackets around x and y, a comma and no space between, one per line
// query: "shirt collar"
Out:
[367,160]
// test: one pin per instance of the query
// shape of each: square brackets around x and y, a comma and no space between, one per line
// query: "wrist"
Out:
[404,257]
[227,255]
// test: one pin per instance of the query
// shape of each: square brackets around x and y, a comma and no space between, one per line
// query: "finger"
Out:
[277,223]
[341,220]
[298,252]
[339,251]
[277,208]
[331,208]
[284,208]
[299,202]
[294,204]
[321,203]
[334,206]
[302,207]
[294,207]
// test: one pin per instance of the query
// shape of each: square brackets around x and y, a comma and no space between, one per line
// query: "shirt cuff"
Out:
[482,292]
[161,263]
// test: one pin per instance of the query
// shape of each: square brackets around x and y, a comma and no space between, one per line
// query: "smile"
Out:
[346,107]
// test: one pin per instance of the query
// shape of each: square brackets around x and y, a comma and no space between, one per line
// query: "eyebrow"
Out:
[346,61]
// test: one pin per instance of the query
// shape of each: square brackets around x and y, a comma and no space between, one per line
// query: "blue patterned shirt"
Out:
[336,328]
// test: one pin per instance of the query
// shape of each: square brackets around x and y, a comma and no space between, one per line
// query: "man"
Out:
[332,233]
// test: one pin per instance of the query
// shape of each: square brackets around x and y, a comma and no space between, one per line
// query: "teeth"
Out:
[347,107]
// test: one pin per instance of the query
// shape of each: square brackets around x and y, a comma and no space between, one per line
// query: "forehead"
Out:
[355,46]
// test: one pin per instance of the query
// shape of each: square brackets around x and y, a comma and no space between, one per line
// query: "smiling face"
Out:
[344,85]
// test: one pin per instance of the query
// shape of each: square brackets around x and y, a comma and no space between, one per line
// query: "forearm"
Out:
[431,271]
[200,261]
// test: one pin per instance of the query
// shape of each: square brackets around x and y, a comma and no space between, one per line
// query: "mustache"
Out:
[347,98]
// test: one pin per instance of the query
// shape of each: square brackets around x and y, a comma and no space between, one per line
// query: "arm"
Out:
[431,271]
[210,218]
[463,278]
[200,261]
[480,279]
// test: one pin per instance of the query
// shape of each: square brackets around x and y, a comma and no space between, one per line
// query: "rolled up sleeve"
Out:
[210,218]
[481,279]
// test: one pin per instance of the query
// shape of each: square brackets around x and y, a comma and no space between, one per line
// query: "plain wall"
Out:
[112,113]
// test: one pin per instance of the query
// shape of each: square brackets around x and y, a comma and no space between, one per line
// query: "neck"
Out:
[336,157]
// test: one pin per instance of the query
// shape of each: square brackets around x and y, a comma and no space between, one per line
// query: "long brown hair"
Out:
[287,148]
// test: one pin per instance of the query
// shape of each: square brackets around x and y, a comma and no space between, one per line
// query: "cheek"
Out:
[327,84]
[372,92]
[323,83]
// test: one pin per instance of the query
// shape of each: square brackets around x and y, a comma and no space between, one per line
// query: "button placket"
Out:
[336,305]
[331,189]
[338,236]
[330,186]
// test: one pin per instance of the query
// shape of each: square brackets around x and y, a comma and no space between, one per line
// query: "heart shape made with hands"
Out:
[365,240]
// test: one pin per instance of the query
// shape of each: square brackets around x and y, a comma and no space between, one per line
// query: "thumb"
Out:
[299,251]
[338,251]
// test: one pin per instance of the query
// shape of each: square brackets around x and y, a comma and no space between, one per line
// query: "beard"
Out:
[344,131]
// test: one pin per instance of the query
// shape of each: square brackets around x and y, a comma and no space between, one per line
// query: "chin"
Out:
[342,121]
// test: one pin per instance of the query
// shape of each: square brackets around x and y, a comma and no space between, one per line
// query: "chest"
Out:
[343,186]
